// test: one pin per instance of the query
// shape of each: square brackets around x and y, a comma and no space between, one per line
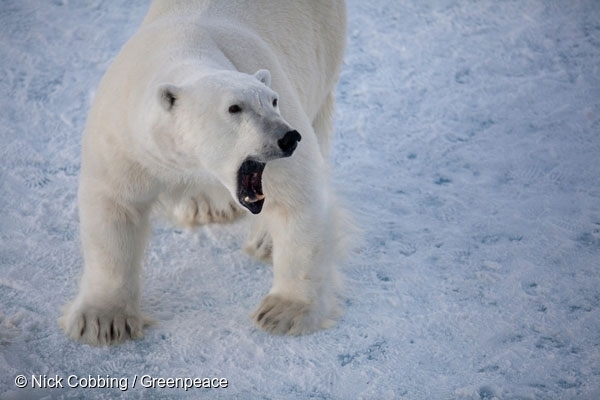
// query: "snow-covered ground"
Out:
[468,147]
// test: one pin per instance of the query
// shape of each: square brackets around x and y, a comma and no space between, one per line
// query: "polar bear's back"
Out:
[307,37]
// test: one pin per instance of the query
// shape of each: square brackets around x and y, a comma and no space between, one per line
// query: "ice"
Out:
[468,148]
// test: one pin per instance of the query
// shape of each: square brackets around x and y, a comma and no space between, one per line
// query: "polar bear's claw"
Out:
[208,212]
[202,210]
[279,315]
[102,327]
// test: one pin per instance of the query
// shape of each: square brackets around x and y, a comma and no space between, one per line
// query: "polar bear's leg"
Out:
[304,226]
[203,203]
[107,308]
[303,297]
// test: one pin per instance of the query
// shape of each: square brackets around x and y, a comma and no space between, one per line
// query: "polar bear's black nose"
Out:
[288,142]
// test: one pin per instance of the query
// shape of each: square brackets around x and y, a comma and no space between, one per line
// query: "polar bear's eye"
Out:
[274,102]
[234,109]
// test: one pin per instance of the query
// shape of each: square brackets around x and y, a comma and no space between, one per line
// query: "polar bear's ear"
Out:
[264,76]
[167,95]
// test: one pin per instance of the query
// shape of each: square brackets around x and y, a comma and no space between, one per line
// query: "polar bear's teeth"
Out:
[256,198]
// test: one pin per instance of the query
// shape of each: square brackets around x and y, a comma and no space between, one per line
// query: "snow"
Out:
[468,148]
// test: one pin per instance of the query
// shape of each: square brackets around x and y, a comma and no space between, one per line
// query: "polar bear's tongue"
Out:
[254,184]
[249,191]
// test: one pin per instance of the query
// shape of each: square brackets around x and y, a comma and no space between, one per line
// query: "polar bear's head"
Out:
[228,123]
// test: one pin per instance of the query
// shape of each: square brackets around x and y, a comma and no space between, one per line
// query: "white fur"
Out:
[160,133]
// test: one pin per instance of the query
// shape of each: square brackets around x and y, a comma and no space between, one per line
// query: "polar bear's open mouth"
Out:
[249,190]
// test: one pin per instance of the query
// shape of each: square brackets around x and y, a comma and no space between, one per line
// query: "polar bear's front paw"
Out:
[201,210]
[97,326]
[280,315]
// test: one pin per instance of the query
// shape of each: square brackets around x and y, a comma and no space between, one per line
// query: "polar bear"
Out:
[215,110]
